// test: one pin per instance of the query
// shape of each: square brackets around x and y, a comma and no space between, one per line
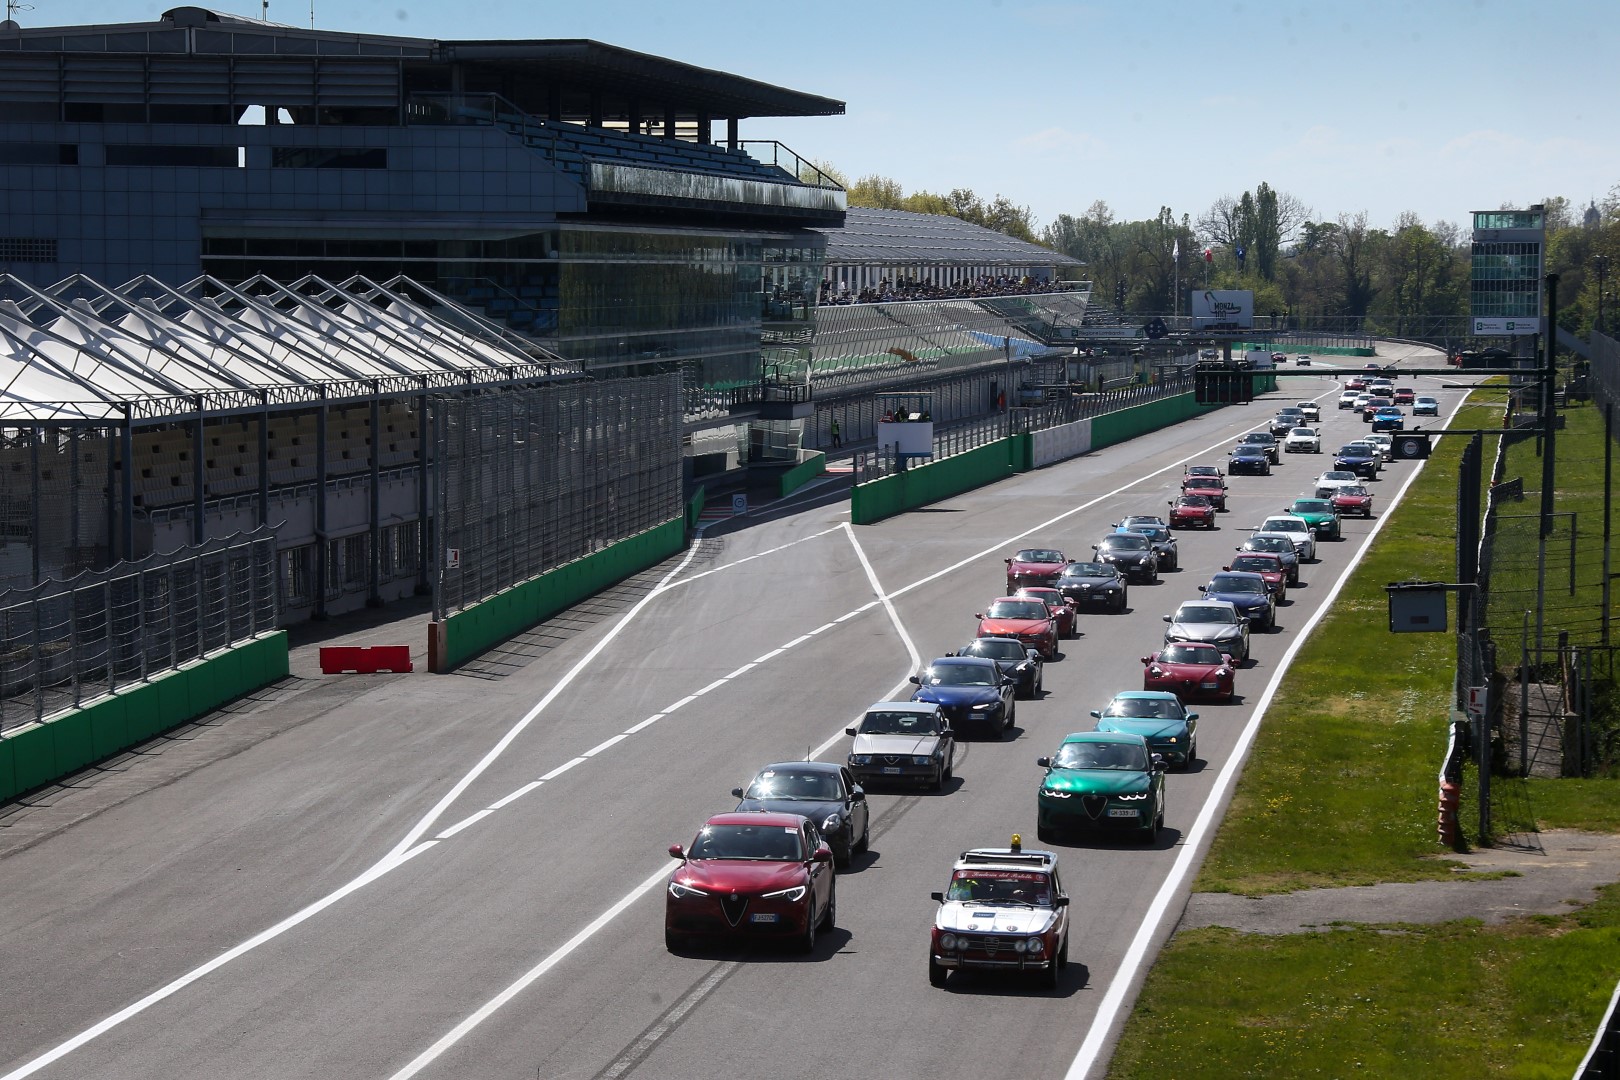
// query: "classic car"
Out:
[1191,670]
[1405,395]
[822,791]
[1131,553]
[1193,508]
[902,742]
[1311,409]
[1033,566]
[1159,535]
[1101,781]
[1209,487]
[1056,603]
[1004,910]
[1426,406]
[1352,499]
[1296,527]
[1279,544]
[1016,660]
[751,874]
[1269,565]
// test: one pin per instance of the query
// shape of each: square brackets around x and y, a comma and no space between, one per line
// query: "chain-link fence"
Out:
[64,642]
[533,478]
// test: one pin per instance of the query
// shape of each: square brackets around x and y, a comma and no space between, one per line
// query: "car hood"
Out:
[1096,781]
[1210,632]
[1348,498]
[1012,627]
[924,745]
[1239,600]
[1123,556]
[1149,727]
[993,918]
[740,875]
[957,695]
[817,810]
[1034,568]
[1091,583]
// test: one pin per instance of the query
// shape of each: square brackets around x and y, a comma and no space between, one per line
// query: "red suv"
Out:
[751,874]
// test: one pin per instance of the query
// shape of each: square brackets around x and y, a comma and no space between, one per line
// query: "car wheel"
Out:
[829,919]
[1120,607]
[807,940]
[937,974]
[1049,976]
[1192,755]
[1010,720]
[866,835]
[1040,682]
[939,779]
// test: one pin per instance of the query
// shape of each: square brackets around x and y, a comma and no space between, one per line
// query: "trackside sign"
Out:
[1222,309]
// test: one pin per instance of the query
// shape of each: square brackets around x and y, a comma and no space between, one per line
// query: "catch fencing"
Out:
[65,642]
[532,478]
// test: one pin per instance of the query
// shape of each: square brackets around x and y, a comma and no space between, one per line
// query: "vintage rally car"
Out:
[1159,717]
[1319,515]
[1269,565]
[1190,670]
[1083,583]
[1130,552]
[1030,621]
[1016,660]
[1193,508]
[1215,622]
[972,693]
[1034,566]
[902,742]
[1312,410]
[751,875]
[1405,395]
[823,791]
[1056,603]
[1004,910]
[1101,781]
[1352,499]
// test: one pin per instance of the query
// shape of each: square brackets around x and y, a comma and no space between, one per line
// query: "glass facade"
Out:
[1505,280]
[1507,219]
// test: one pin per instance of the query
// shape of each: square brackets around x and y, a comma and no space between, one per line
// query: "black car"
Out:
[822,791]
[1086,583]
[1249,458]
[1266,439]
[1162,539]
[1286,421]
[1361,460]
[1131,554]
[1277,545]
[1017,662]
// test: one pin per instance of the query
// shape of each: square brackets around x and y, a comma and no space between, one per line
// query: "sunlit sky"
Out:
[1437,107]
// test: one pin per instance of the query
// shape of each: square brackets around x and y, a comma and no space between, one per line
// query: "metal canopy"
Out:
[873,237]
[79,352]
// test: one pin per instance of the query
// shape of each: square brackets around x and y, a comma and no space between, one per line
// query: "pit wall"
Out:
[813,465]
[62,745]
[472,630]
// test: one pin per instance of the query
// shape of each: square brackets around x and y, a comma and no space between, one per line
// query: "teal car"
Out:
[1319,515]
[1101,782]
[1159,717]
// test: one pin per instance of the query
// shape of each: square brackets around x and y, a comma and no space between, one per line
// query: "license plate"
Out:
[1113,811]
[763,918]
[891,770]
[1208,685]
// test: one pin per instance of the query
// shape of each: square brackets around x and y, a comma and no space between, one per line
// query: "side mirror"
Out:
[1032,654]
[1097,713]
[916,680]
[1006,680]
[945,730]
[1060,901]
[849,731]
[1167,618]
[1228,568]
[823,854]
[857,794]
[1203,588]
[978,614]
[677,852]
[937,897]
[1158,762]
[1192,716]
[1044,762]
[1007,561]
[736,793]
[1147,659]
[1094,547]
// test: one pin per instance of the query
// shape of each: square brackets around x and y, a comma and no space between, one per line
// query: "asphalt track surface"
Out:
[462,877]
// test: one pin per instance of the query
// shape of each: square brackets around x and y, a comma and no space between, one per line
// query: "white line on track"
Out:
[516,795]
[1190,853]
[564,767]
[645,724]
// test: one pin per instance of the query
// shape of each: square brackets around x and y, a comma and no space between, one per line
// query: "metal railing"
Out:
[65,642]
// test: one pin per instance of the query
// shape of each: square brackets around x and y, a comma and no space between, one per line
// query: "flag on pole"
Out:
[1175,252]
[1209,255]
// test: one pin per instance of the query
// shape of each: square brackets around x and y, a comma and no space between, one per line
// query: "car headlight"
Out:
[1036,945]
[683,892]
[1171,740]
[1021,945]
[1155,671]
[986,705]
[948,942]
[1133,797]
[860,759]
[923,760]
[831,824]
[1050,794]
[790,895]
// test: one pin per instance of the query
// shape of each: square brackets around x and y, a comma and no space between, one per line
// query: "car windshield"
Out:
[1190,654]
[1338,474]
[1125,542]
[1249,451]
[1038,555]
[1428,401]
[1127,757]
[770,843]
[792,784]
[1286,525]
[1017,609]
[1088,570]
[1044,595]
[1309,433]
[996,649]
[984,886]
[1352,490]
[1146,708]
[1205,613]
[1256,438]
[1279,544]
[1235,583]
[901,723]
[1204,470]
[1312,506]
[1194,500]
[1152,532]
[959,675]
[1255,564]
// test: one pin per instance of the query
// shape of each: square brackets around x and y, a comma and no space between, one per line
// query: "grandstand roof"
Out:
[891,237]
[79,352]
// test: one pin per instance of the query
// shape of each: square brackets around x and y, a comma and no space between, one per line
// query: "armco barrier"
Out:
[46,752]
[924,484]
[472,630]
[805,471]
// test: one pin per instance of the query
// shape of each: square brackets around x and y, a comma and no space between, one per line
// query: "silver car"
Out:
[1295,527]
[1214,622]
[903,742]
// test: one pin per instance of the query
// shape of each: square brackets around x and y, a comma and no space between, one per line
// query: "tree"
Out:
[877,193]
[1002,216]
[1354,262]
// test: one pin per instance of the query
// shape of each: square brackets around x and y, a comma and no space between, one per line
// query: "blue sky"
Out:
[1437,107]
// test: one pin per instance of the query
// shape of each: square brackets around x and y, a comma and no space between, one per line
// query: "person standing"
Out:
[837,440]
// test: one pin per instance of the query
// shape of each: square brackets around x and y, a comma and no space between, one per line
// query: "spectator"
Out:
[837,440]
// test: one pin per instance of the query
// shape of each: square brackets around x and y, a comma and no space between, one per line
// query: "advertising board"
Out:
[1222,309]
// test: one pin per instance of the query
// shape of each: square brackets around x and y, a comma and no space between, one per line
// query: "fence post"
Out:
[73,642]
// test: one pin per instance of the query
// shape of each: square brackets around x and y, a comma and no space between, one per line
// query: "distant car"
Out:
[1016,660]
[1279,358]
[972,693]
[1030,621]
[1369,366]
[1101,781]
[1191,670]
[1319,515]
[1279,544]
[1249,458]
[1281,425]
[1405,395]
[1157,715]
[902,742]
[1298,528]
[1193,508]
[1385,443]
[1352,499]
[1358,458]
[1356,382]
[822,791]
[1216,622]
[1336,478]
[1302,360]
[1086,583]
[1249,593]
[1389,419]
[1265,439]
[1312,411]
[1303,440]
[1381,388]
[1210,488]
[1160,536]
[1347,400]
[1005,910]
[1210,472]
[1208,354]
[1062,611]
[1269,565]
[1426,406]
[751,874]
[1365,404]
[1130,553]
[1034,566]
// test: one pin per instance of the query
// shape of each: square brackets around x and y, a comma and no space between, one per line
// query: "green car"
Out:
[1101,781]
[1319,515]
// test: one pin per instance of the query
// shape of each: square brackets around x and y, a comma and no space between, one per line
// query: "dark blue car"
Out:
[971,691]
[1249,459]
[1361,460]
[1247,592]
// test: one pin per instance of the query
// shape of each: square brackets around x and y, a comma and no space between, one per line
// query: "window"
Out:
[356,568]
[15,249]
[297,576]
[323,157]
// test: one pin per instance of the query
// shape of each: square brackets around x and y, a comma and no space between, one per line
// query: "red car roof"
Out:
[756,817]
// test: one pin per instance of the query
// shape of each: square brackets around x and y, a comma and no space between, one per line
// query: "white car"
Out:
[1303,440]
[1337,478]
[1426,406]
[1296,529]
[1384,441]
[1312,411]
[1347,400]
[1303,360]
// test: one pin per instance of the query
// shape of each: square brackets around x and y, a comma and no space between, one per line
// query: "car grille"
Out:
[989,944]
[733,907]
[1094,805]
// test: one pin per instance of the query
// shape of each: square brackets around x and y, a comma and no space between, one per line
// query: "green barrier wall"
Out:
[804,472]
[926,484]
[468,633]
[1117,427]
[694,506]
[64,744]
